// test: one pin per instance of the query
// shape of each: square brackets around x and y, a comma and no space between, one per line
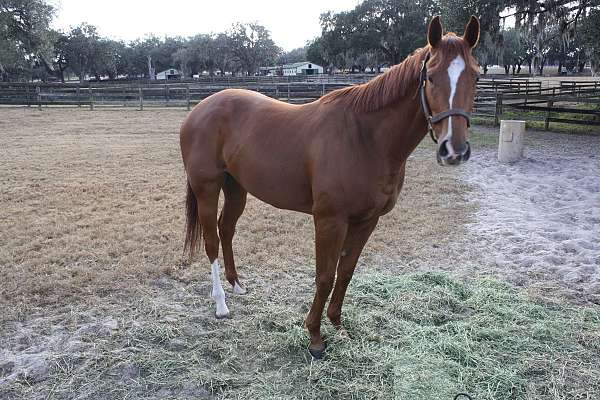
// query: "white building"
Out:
[270,71]
[302,68]
[169,74]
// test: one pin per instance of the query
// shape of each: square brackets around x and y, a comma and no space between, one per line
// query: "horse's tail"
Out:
[193,229]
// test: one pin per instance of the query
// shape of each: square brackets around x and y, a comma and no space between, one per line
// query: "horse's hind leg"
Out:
[235,201]
[207,194]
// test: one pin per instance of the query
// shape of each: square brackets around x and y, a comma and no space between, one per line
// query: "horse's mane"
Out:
[384,89]
[400,81]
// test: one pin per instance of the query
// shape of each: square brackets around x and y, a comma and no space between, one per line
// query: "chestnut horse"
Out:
[341,159]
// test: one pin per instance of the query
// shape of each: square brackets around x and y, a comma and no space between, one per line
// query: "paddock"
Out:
[484,279]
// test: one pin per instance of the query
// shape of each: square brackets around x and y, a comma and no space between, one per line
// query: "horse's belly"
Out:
[276,186]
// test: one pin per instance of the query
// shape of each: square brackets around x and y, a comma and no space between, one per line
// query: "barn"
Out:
[169,74]
[302,68]
[270,71]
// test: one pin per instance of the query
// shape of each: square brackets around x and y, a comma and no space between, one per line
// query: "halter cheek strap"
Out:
[434,119]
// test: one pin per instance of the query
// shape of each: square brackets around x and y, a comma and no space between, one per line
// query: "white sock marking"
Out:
[218,294]
[455,69]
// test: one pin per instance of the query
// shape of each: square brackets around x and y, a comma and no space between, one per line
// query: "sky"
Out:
[292,23]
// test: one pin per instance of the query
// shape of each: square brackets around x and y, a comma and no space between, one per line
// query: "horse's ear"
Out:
[435,32]
[471,35]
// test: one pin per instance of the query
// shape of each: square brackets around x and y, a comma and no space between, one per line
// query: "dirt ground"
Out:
[91,247]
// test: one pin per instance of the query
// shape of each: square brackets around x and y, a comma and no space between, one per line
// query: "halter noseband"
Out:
[433,119]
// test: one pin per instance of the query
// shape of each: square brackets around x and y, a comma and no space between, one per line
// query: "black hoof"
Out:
[224,316]
[318,354]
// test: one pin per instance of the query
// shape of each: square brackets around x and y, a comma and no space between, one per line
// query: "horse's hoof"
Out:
[237,289]
[222,314]
[318,354]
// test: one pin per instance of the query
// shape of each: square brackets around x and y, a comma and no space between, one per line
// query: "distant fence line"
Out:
[166,95]
[493,95]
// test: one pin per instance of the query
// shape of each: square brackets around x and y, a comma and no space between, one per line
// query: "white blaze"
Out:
[218,294]
[455,69]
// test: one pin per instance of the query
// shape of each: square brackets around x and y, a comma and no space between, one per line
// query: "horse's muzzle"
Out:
[446,155]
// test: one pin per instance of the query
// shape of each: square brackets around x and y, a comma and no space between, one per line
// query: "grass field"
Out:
[98,302]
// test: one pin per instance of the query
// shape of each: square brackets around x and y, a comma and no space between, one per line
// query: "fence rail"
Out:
[493,95]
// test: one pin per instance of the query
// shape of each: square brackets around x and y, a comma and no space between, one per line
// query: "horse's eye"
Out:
[430,80]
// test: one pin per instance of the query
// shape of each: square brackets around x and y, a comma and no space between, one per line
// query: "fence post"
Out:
[548,112]
[91,99]
[510,141]
[39,97]
[498,113]
[167,94]
[187,96]
[141,93]
[288,96]
[28,95]
[78,96]
[323,89]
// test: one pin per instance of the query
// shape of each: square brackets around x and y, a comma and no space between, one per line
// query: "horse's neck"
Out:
[400,128]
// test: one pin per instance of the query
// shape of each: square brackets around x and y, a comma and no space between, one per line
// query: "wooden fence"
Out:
[165,95]
[494,96]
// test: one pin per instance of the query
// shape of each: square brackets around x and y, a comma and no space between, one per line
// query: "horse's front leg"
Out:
[330,233]
[356,238]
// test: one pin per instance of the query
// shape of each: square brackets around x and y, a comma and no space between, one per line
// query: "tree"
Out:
[376,32]
[315,52]
[140,55]
[60,48]
[82,48]
[252,46]
[590,34]
[512,51]
[293,56]
[490,49]
[25,40]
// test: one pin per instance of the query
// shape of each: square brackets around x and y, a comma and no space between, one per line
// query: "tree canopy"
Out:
[376,33]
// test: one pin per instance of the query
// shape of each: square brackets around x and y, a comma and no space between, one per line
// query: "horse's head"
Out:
[448,85]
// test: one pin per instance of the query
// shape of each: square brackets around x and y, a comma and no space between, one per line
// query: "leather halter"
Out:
[433,119]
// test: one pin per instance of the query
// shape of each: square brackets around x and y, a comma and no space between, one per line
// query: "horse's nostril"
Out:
[467,153]
[443,151]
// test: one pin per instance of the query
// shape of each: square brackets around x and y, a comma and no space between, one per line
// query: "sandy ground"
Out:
[538,220]
[98,302]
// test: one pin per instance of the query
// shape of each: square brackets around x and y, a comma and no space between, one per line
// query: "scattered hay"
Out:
[421,336]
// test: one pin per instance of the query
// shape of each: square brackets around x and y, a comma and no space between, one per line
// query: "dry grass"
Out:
[95,286]
[92,202]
